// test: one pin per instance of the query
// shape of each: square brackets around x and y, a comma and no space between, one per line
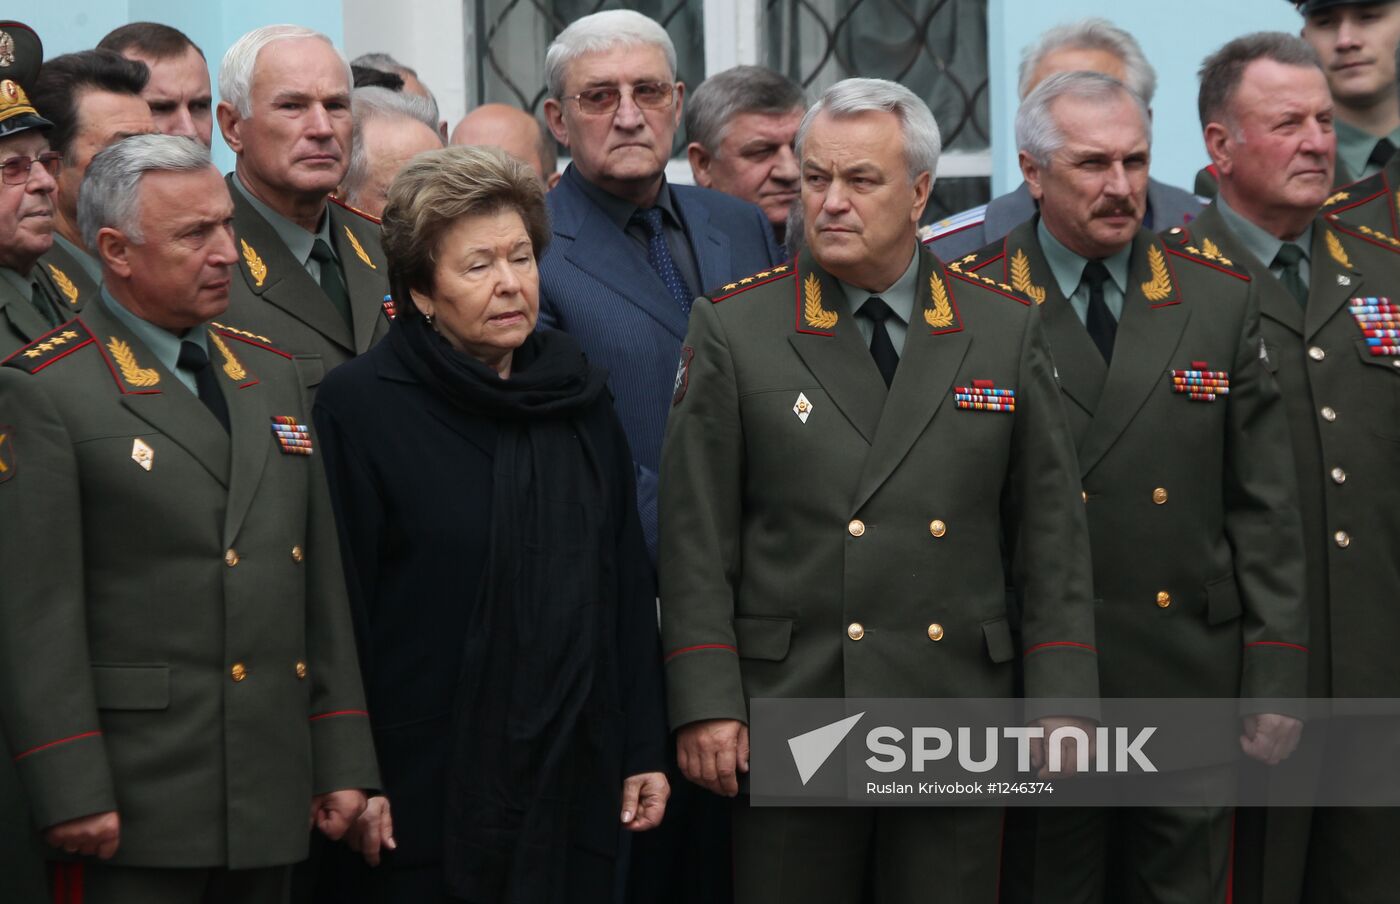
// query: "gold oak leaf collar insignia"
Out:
[940,316]
[256,267]
[1338,198]
[1159,287]
[232,367]
[1021,278]
[1334,248]
[65,285]
[816,316]
[133,373]
[359,249]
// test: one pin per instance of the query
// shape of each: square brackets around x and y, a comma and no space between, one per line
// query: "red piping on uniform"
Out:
[60,883]
[76,737]
[1230,865]
[58,357]
[1275,643]
[255,343]
[700,646]
[340,712]
[1061,643]
[75,884]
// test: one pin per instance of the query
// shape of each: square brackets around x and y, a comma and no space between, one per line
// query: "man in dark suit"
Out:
[312,272]
[1092,45]
[177,669]
[835,503]
[1319,277]
[1190,494]
[630,251]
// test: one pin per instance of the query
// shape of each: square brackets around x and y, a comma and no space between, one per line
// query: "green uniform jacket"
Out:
[1371,206]
[1343,406]
[273,295]
[1193,508]
[824,537]
[64,279]
[175,642]
[20,324]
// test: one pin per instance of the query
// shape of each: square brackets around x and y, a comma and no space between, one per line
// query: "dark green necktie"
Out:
[331,281]
[40,299]
[1098,319]
[881,346]
[1288,258]
[1381,154]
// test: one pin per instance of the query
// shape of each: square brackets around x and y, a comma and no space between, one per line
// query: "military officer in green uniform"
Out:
[40,287]
[1324,287]
[34,298]
[311,270]
[855,438]
[1357,42]
[178,677]
[1188,481]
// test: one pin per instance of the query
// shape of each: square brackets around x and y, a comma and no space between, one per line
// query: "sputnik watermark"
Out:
[1119,752]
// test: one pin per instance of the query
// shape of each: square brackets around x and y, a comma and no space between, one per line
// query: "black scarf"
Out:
[532,687]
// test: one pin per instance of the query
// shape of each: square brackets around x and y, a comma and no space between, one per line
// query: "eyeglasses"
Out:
[647,95]
[16,170]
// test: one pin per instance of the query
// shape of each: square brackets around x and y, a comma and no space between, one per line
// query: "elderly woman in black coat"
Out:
[503,601]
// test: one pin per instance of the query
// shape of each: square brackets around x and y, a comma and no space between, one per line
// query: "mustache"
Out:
[1115,209]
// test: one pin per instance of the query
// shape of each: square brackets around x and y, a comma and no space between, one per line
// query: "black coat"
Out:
[411,481]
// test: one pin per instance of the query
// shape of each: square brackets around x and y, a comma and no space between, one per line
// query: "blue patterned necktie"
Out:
[659,256]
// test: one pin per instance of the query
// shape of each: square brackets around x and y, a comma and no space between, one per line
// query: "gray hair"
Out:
[1092,34]
[373,103]
[110,194]
[599,32]
[383,62]
[1037,132]
[743,89]
[236,69]
[922,143]
[1222,71]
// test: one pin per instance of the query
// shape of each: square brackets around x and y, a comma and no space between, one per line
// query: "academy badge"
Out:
[7,455]
[983,395]
[294,438]
[1199,384]
[802,408]
[1379,319]
[143,454]
[682,374]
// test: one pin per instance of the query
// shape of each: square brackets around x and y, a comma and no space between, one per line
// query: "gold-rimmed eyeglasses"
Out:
[16,170]
[606,99]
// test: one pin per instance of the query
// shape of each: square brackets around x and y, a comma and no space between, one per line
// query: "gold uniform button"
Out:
[301,670]
[1084,494]
[856,527]
[238,672]
[231,558]
[935,632]
[1159,495]
[937,528]
[297,554]
[1316,353]
[1164,599]
[1339,476]
[856,631]
[1329,414]
[1342,538]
